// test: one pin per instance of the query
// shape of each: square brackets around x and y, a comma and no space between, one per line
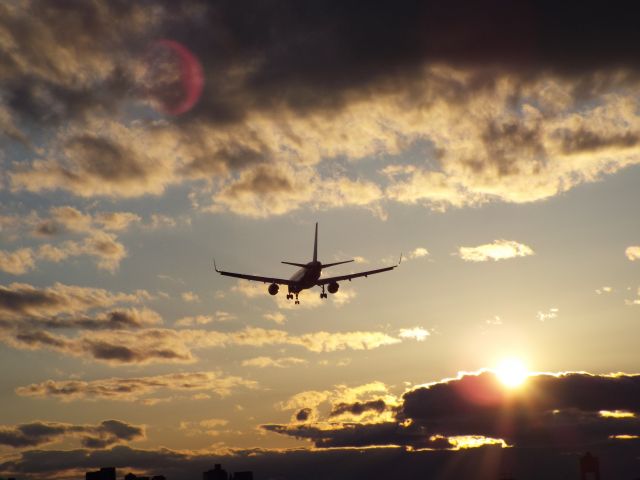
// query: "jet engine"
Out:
[273,289]
[333,287]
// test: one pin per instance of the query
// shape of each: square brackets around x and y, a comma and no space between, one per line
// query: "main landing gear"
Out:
[323,294]
[290,297]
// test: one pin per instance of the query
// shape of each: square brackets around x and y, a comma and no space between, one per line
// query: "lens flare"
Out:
[511,372]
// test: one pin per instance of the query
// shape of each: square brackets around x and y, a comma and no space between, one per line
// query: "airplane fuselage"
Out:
[305,277]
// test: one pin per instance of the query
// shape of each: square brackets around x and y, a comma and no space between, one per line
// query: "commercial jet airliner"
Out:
[307,277]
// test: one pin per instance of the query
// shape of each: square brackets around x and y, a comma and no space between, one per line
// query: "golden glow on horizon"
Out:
[616,414]
[474,441]
[511,372]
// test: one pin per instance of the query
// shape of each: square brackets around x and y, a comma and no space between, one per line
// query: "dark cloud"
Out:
[506,144]
[102,435]
[585,140]
[311,57]
[102,159]
[285,83]
[567,410]
[47,228]
[132,318]
[363,435]
[303,414]
[483,393]
[21,300]
[358,408]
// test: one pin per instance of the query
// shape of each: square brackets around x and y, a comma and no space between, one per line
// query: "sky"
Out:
[495,144]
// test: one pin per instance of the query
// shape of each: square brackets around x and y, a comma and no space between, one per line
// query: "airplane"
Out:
[308,276]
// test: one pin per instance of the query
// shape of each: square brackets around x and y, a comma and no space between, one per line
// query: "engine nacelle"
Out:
[333,287]
[273,289]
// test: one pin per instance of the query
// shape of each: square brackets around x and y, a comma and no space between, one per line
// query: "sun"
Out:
[511,372]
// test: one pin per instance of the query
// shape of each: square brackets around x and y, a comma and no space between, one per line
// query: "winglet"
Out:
[400,261]
[215,266]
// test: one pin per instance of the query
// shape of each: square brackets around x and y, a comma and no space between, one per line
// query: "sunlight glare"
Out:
[511,372]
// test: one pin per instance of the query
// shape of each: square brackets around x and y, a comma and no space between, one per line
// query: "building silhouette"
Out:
[105,473]
[216,474]
[589,467]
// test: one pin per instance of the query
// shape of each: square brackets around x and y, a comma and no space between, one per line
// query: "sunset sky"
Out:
[496,144]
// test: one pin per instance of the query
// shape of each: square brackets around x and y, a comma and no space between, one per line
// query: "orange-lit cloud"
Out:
[264,362]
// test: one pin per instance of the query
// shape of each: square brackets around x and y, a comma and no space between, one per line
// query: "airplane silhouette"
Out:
[307,277]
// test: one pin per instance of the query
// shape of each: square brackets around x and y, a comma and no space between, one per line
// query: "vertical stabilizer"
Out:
[315,245]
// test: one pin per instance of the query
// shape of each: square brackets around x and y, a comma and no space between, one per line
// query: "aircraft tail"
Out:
[315,245]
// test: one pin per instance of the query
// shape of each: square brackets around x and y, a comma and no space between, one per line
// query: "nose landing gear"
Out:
[290,297]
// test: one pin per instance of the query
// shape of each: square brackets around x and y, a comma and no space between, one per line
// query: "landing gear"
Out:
[297,302]
[323,295]
[290,297]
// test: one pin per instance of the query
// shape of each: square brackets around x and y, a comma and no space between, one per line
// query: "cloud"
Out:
[276,317]
[358,408]
[104,434]
[119,319]
[161,345]
[20,300]
[269,122]
[418,252]
[136,388]
[275,190]
[563,410]
[71,218]
[67,219]
[417,333]
[197,320]
[104,247]
[212,427]
[633,253]
[218,316]
[190,297]
[550,315]
[556,404]
[342,400]
[498,250]
[264,362]
[17,262]
[116,221]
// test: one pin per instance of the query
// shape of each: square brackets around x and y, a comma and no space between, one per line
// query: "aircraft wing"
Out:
[254,278]
[324,281]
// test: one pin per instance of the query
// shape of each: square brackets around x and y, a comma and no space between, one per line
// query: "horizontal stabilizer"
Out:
[295,264]
[336,263]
